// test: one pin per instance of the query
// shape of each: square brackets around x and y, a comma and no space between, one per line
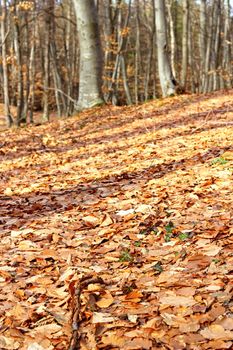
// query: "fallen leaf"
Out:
[8,343]
[91,220]
[177,300]
[216,331]
[105,301]
[101,317]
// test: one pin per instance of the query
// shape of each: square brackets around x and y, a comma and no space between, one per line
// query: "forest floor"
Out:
[116,228]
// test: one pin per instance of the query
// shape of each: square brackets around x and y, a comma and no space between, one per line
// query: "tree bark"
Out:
[185,44]
[202,43]
[172,35]
[18,53]
[167,81]
[8,116]
[226,65]
[90,66]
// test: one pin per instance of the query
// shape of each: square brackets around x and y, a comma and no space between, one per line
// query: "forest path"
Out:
[130,206]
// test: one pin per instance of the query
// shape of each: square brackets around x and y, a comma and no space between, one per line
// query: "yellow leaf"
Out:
[177,300]
[101,317]
[8,191]
[91,220]
[228,155]
[106,221]
[105,301]
[215,331]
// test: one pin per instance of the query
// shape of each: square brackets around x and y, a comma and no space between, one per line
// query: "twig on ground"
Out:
[76,289]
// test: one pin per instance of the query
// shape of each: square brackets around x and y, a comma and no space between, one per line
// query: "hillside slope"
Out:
[116,228]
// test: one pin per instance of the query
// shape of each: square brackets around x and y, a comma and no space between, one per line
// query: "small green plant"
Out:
[219,160]
[215,261]
[167,237]
[148,230]
[181,254]
[183,236]
[143,232]
[158,267]
[169,227]
[127,289]
[168,212]
[125,256]
[137,243]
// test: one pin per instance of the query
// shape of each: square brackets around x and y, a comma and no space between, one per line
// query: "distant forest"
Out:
[146,49]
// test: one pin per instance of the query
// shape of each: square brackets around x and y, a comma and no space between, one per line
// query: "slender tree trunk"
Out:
[32,71]
[122,45]
[18,52]
[90,71]
[202,43]
[60,99]
[137,55]
[167,81]
[48,8]
[27,73]
[192,66]
[8,116]
[185,43]
[125,80]
[209,78]
[149,62]
[70,57]
[226,65]
[172,35]
[108,54]
[216,48]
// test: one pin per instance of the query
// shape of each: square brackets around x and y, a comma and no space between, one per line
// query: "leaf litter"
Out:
[118,234]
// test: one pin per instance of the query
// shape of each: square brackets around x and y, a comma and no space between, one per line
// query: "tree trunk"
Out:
[90,70]
[18,53]
[9,118]
[32,71]
[137,55]
[202,43]
[27,68]
[226,65]
[166,78]
[48,9]
[216,48]
[172,35]
[185,43]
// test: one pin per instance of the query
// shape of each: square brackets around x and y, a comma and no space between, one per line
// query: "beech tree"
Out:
[5,79]
[90,65]
[185,43]
[166,78]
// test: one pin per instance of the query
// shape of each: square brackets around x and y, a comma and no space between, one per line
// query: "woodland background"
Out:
[116,224]
[40,52]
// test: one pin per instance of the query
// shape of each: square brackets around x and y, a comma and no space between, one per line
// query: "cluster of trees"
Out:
[66,55]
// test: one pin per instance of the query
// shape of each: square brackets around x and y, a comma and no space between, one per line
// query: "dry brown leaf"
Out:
[134,296]
[51,330]
[138,343]
[113,339]
[107,221]
[101,317]
[35,346]
[91,220]
[177,300]
[105,301]
[8,343]
[226,323]
[216,331]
